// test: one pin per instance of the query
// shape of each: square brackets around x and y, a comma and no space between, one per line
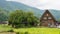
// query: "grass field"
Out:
[32,30]
[39,30]
[4,28]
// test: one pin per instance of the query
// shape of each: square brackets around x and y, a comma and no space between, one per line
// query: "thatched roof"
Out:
[47,11]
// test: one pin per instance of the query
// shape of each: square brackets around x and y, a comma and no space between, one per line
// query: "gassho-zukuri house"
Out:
[48,20]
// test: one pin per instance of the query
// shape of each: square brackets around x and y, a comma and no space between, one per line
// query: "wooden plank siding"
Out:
[47,19]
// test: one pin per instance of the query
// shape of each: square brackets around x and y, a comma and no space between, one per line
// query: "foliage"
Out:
[4,28]
[59,20]
[20,18]
[3,15]
[38,30]
[11,30]
[17,32]
[26,32]
[32,30]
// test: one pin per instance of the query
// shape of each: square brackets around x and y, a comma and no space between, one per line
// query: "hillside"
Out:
[11,5]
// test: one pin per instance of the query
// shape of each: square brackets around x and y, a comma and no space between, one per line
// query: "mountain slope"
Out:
[11,5]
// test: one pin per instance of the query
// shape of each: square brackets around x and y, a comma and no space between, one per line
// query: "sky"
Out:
[41,4]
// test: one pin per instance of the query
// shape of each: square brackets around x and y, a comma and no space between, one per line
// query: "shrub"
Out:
[11,30]
[17,32]
[26,32]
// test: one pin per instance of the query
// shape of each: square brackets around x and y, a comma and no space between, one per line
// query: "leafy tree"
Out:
[3,15]
[58,20]
[20,18]
[31,19]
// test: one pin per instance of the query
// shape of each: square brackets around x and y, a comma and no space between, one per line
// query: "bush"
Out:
[20,26]
[26,32]
[11,30]
[17,32]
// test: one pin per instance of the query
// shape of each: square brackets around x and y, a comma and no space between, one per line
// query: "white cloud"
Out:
[41,4]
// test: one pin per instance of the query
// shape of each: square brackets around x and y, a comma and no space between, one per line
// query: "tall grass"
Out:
[39,30]
[4,27]
[33,30]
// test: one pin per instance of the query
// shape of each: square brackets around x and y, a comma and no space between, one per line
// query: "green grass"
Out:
[4,28]
[39,30]
[32,30]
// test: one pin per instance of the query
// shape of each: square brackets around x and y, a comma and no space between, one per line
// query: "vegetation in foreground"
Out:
[38,30]
[27,19]
[19,18]
[31,30]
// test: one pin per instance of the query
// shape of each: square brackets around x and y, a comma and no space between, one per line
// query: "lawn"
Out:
[32,30]
[4,28]
[39,30]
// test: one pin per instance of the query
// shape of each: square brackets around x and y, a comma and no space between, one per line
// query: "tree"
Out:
[31,19]
[20,17]
[3,15]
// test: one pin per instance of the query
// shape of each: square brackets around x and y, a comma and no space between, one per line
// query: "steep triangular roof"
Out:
[47,11]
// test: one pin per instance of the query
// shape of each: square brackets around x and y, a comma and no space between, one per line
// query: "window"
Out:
[45,18]
[49,18]
[47,14]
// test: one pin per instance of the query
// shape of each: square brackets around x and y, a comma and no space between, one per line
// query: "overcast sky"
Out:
[41,4]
